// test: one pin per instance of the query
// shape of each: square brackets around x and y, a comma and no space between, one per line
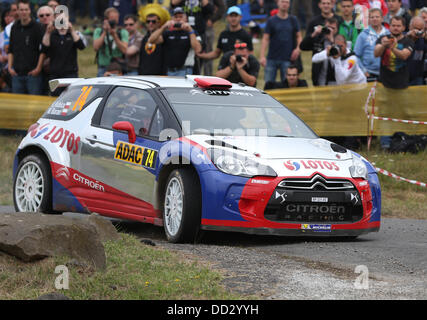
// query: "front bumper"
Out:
[263,207]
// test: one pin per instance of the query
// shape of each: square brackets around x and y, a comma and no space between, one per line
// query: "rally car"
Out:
[188,154]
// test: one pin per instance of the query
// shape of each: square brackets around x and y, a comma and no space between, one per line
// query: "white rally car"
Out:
[188,154]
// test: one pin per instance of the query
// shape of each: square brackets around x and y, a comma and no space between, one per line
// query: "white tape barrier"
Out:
[394,176]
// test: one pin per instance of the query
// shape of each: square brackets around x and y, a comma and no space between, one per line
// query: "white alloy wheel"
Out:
[29,187]
[174,206]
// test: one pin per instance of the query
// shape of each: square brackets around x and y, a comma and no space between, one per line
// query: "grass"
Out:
[150,274]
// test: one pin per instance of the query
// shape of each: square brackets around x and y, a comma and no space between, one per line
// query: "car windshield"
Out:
[234,113]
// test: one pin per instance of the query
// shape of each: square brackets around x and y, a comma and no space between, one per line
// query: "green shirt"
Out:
[349,31]
[104,53]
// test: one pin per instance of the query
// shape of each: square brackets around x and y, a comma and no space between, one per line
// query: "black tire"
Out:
[188,227]
[42,202]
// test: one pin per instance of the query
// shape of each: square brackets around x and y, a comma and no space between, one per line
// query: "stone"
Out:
[34,236]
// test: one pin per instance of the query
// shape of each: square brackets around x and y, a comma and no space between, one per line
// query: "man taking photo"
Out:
[394,50]
[239,66]
[343,61]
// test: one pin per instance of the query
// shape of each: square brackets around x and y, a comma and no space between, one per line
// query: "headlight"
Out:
[358,169]
[238,165]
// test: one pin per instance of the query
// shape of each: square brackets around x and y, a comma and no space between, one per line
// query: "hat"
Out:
[177,10]
[234,9]
[156,9]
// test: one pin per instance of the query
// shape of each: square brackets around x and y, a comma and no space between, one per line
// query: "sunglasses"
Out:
[151,21]
[129,24]
[240,45]
[44,15]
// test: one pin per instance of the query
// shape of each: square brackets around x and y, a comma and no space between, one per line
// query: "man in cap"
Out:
[180,44]
[230,35]
[239,66]
[151,55]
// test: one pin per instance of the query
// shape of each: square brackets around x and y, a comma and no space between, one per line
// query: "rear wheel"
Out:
[182,205]
[32,186]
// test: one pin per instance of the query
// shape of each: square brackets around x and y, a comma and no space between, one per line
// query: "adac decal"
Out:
[135,154]
[57,135]
[311,164]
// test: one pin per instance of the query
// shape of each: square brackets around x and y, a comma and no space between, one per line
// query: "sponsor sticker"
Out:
[319,199]
[317,227]
[135,154]
[57,135]
[311,164]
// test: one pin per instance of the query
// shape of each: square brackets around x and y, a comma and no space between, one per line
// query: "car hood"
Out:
[287,156]
[276,147]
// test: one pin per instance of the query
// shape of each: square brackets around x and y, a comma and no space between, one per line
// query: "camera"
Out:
[239,58]
[112,24]
[390,36]
[335,50]
[326,30]
[419,33]
[177,25]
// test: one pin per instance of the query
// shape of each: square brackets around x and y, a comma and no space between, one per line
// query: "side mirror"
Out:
[126,126]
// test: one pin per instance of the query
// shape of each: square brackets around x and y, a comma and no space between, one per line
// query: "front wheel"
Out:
[182,206]
[32,186]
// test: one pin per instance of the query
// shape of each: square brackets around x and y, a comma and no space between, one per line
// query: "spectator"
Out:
[343,61]
[151,56]
[178,37]
[239,66]
[24,58]
[371,4]
[110,42]
[219,10]
[347,26]
[53,4]
[233,33]
[114,69]
[60,43]
[282,35]
[423,14]
[5,82]
[395,9]
[292,80]
[365,44]
[135,39]
[307,7]
[415,5]
[416,60]
[197,11]
[322,36]
[46,15]
[124,7]
[394,50]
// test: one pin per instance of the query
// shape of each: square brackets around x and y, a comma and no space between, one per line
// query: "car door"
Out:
[123,163]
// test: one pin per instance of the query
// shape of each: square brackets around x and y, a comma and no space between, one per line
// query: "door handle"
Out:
[92,139]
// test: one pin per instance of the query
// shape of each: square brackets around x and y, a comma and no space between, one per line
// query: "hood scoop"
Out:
[337,148]
[223,144]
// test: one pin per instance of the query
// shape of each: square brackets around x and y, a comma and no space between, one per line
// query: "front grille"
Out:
[314,200]
[316,183]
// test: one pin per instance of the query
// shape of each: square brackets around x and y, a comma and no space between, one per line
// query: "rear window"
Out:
[73,100]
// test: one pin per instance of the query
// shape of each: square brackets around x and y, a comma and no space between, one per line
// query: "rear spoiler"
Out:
[62,83]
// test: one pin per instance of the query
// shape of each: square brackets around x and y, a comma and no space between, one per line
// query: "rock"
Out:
[53,296]
[34,236]
[104,227]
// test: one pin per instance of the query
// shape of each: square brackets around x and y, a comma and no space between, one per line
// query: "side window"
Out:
[129,104]
[73,100]
[157,125]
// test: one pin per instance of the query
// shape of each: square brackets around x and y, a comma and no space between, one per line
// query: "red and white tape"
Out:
[398,120]
[394,176]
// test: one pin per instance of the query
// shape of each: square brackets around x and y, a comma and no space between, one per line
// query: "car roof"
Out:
[149,81]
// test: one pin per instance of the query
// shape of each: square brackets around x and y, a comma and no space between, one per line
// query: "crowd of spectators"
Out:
[352,41]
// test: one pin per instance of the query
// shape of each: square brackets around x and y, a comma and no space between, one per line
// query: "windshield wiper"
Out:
[282,136]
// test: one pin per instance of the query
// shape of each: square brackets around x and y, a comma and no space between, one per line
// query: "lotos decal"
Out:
[64,137]
[311,164]
[293,166]
[136,154]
